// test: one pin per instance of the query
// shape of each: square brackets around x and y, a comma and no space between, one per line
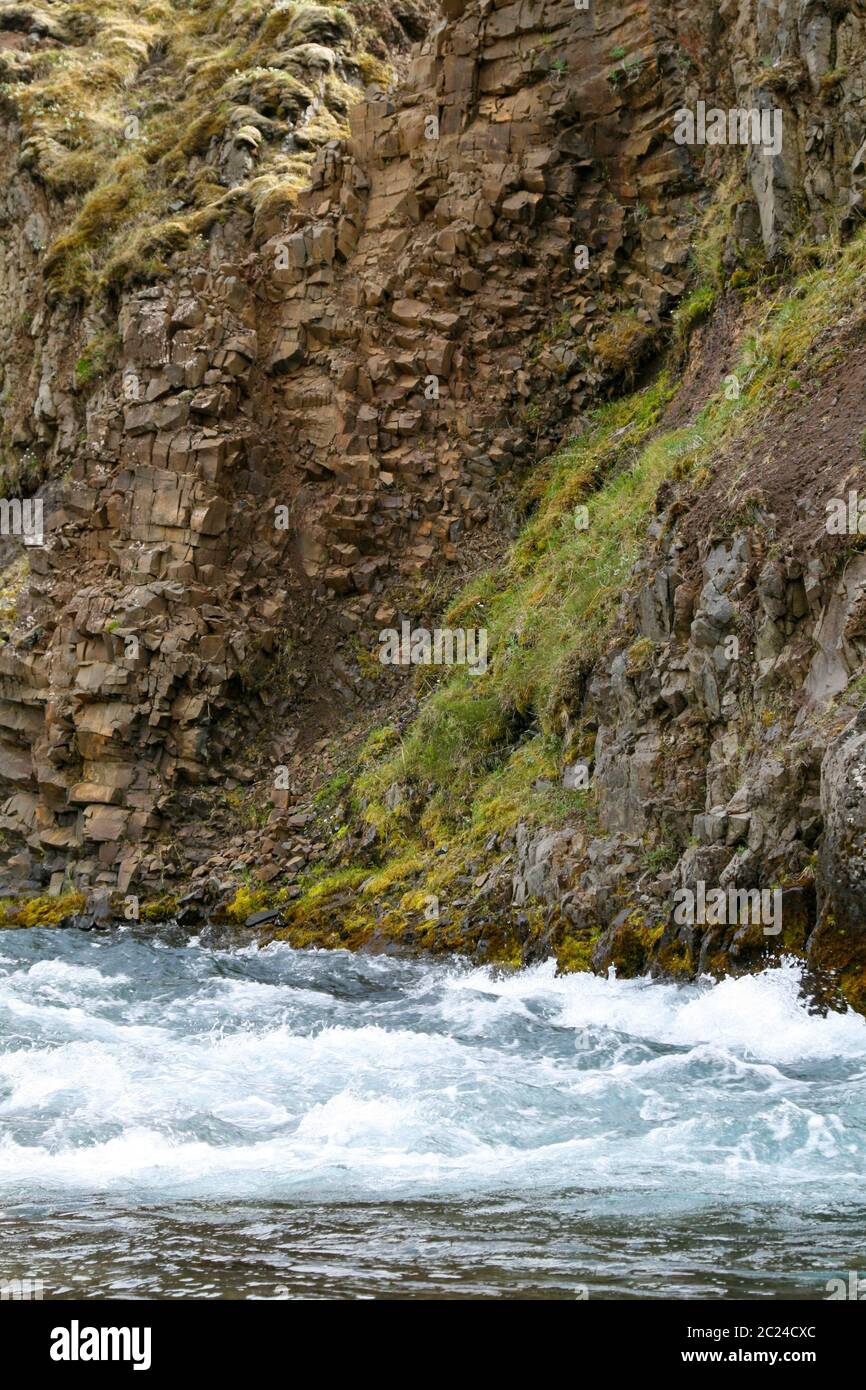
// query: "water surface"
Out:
[178,1121]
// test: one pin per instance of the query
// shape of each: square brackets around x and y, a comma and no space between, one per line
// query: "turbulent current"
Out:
[179,1121]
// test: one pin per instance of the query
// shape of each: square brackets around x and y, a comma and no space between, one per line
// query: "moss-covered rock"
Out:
[41,911]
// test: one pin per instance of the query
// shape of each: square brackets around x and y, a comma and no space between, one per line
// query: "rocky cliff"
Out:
[305,324]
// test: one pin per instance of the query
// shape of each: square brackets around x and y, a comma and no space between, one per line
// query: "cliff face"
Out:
[276,379]
[359,362]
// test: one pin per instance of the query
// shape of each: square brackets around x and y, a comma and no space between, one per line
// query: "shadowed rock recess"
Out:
[319,320]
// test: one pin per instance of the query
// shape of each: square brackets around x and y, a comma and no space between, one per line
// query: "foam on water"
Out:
[127,1066]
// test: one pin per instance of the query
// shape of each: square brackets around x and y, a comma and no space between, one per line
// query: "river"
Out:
[181,1121]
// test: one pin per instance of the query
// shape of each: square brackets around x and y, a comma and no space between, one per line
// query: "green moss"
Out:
[639,656]
[528,788]
[330,792]
[633,944]
[853,986]
[41,911]
[674,960]
[97,360]
[328,912]
[693,310]
[160,909]
[574,953]
[621,346]
[381,740]
[661,856]
[246,901]
[713,233]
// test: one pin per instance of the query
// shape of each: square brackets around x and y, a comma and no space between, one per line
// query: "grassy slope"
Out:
[487,751]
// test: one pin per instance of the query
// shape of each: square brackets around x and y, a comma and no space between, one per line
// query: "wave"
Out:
[131,1067]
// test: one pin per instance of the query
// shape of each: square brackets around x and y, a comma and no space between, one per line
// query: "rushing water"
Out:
[177,1121]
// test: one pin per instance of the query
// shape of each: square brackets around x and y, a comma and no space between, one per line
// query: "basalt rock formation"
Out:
[360,367]
[309,406]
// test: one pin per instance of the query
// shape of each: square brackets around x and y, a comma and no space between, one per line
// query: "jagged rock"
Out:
[839,941]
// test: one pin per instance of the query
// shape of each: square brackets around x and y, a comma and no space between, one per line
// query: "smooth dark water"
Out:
[177,1121]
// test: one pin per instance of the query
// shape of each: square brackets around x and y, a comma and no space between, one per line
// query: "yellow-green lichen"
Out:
[43,911]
